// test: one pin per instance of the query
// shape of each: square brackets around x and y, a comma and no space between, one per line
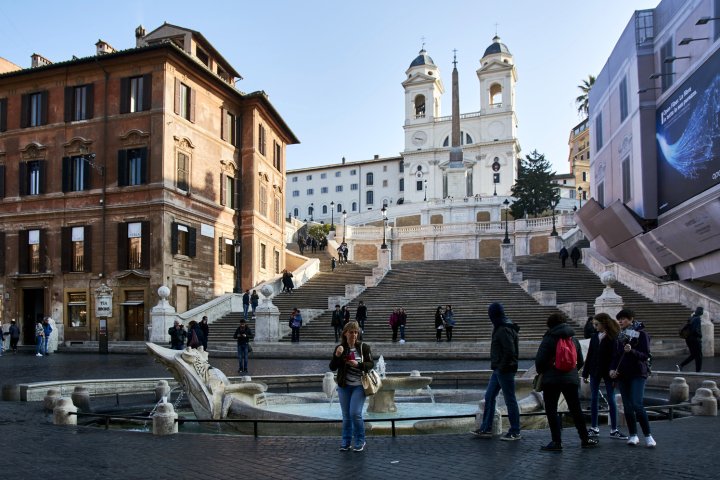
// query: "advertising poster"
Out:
[688,137]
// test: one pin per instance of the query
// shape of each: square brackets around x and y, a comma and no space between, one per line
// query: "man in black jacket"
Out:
[694,341]
[504,363]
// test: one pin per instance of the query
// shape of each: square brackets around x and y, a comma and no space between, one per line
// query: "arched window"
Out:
[354,206]
[369,178]
[420,106]
[495,95]
[465,139]
[339,208]
[324,209]
[296,212]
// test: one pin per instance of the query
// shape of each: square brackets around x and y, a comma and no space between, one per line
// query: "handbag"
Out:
[194,340]
[371,382]
[537,383]
[249,348]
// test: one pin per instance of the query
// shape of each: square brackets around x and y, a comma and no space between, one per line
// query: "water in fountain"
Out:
[432,395]
[380,366]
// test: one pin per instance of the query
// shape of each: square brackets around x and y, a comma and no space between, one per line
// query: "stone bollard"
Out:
[81,398]
[712,386]
[329,385]
[704,403]
[162,390]
[64,406]
[164,420]
[53,395]
[620,410]
[497,424]
[679,391]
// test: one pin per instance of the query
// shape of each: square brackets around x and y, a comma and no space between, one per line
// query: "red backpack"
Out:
[565,354]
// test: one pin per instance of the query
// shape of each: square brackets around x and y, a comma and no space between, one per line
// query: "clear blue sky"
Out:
[333,69]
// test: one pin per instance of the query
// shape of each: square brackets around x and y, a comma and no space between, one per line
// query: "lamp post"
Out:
[344,224]
[383,210]
[580,190]
[425,199]
[332,218]
[506,240]
[553,204]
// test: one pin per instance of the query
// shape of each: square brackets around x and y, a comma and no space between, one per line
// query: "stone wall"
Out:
[538,244]
[408,221]
[365,252]
[490,248]
[412,251]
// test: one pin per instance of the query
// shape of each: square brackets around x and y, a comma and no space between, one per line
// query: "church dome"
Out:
[496,47]
[422,59]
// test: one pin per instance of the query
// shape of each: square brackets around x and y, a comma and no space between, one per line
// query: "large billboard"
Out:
[688,137]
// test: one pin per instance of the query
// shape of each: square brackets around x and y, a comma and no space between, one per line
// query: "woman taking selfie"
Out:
[351,358]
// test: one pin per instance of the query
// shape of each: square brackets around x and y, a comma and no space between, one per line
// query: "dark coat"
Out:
[575,254]
[545,357]
[696,324]
[599,356]
[243,336]
[563,253]
[339,363]
[361,312]
[337,318]
[504,348]
[178,336]
[198,332]
[632,364]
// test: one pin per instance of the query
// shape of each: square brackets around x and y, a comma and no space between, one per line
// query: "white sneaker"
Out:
[650,442]
[38,354]
[633,440]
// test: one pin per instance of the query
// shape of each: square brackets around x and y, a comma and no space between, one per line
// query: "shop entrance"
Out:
[134,322]
[33,310]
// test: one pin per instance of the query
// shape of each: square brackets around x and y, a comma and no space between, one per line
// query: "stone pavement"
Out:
[34,448]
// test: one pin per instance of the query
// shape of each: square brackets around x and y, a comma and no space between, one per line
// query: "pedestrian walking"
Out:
[575,256]
[194,335]
[243,334]
[333,264]
[563,256]
[205,329]
[351,359]
[361,316]
[254,300]
[449,322]
[295,324]
[178,336]
[402,321]
[693,340]
[504,347]
[439,324]
[561,377]
[47,330]
[39,338]
[337,322]
[246,303]
[14,335]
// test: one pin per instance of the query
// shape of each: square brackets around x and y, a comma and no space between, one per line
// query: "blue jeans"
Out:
[246,306]
[352,402]
[633,391]
[506,383]
[295,334]
[242,351]
[595,399]
[402,332]
[39,342]
[46,345]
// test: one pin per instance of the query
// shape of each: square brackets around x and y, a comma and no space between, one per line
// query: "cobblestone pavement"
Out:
[33,448]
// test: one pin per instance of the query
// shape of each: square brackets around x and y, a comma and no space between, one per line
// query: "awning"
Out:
[132,304]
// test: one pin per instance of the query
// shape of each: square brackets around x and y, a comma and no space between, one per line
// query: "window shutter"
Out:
[2,253]
[23,251]
[145,165]
[192,105]
[66,173]
[147,92]
[87,249]
[192,242]
[238,131]
[122,245]
[90,105]
[122,165]
[223,129]
[176,106]
[2,181]
[3,114]
[236,194]
[24,111]
[145,245]
[223,190]
[221,251]
[43,250]
[66,249]
[69,104]
[124,95]
[22,178]
[86,174]
[42,167]
[44,108]
[174,238]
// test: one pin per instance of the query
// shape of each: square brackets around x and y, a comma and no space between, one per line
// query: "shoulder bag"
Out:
[371,382]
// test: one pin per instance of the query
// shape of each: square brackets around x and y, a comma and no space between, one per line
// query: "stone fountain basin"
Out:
[405,383]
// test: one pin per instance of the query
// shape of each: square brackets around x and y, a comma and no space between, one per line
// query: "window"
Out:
[2,191]
[338,188]
[584,176]
[32,243]
[623,99]
[228,127]
[495,95]
[135,94]
[34,109]
[323,189]
[228,192]
[183,240]
[354,206]
[369,178]
[132,167]
[419,185]
[338,174]
[308,177]
[626,188]
[296,193]
[263,200]
[401,166]
[276,260]
[339,208]
[32,177]
[323,175]
[261,139]
[369,198]
[353,186]
[598,132]
[666,68]
[75,246]
[226,254]
[384,168]
[385,183]
[134,245]
[419,106]
[184,101]
[75,174]
[324,209]
[601,193]
[183,169]
[263,256]
[277,156]
[77,309]
[353,172]
[296,212]
[3,114]
[402,185]
[309,191]
[276,211]
[78,103]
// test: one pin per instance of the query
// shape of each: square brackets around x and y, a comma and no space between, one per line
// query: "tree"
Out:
[534,190]
[583,99]
[318,230]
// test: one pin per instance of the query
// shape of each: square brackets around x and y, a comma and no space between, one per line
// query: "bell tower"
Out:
[423,91]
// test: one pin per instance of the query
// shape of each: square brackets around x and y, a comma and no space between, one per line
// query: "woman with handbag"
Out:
[351,359]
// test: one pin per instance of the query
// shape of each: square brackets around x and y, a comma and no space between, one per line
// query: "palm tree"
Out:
[582,99]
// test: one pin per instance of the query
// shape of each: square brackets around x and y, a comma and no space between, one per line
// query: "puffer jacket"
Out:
[545,357]
[635,362]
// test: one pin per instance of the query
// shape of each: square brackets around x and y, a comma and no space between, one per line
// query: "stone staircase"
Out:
[662,320]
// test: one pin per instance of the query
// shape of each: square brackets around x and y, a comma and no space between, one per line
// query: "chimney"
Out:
[343,160]
[139,35]
[376,156]
[103,48]
[38,60]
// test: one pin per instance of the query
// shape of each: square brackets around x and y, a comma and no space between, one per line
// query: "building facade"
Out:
[129,170]
[579,160]
[654,157]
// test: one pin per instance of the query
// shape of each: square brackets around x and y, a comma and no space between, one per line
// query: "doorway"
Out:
[134,322]
[33,310]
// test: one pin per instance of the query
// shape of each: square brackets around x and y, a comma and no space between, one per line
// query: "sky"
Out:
[333,69]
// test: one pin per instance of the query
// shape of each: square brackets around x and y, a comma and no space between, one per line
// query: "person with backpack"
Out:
[630,369]
[692,333]
[563,256]
[558,359]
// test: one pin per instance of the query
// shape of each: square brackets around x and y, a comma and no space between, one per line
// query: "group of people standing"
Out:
[444,320]
[43,330]
[312,243]
[251,300]
[341,317]
[14,333]
[397,322]
[194,337]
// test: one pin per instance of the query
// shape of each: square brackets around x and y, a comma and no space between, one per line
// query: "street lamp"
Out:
[425,199]
[332,218]
[383,210]
[344,224]
[553,204]
[506,240]
[580,190]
